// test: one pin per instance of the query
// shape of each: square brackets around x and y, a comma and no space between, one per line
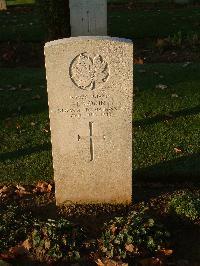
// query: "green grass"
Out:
[19,2]
[133,24]
[161,123]
[141,24]
[25,26]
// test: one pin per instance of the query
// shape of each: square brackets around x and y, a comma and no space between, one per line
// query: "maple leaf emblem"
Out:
[88,73]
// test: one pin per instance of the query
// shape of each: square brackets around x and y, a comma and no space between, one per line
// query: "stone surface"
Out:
[88,17]
[90,91]
[3,5]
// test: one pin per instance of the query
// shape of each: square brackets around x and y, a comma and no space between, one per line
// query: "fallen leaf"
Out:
[21,191]
[18,126]
[36,97]
[174,95]
[131,248]
[43,187]
[109,262]
[161,86]
[3,190]
[178,150]
[186,64]
[139,61]
[26,244]
[166,252]
[20,187]
[45,130]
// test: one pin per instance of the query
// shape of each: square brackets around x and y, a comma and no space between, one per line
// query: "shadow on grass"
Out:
[181,170]
[23,152]
[170,116]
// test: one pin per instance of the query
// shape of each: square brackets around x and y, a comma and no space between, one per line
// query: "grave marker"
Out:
[3,5]
[90,91]
[88,17]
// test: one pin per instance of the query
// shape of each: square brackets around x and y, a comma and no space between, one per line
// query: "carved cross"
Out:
[88,17]
[91,139]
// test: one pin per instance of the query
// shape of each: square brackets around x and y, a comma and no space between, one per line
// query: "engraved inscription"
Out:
[89,73]
[90,106]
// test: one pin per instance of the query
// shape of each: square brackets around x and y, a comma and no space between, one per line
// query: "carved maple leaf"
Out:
[87,73]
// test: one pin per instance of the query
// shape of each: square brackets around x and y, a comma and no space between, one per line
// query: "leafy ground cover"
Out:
[160,232]
[166,124]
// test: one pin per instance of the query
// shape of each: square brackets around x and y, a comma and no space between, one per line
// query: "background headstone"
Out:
[3,5]
[90,90]
[88,17]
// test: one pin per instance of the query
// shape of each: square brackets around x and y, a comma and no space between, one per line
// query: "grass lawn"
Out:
[167,124]
[135,24]
[19,2]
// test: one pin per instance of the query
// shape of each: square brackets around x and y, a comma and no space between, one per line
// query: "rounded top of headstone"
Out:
[87,38]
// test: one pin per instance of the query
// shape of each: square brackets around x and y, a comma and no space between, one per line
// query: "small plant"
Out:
[135,235]
[14,227]
[193,39]
[55,240]
[176,40]
[186,205]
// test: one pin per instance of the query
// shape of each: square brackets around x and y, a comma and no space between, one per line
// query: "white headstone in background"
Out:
[3,5]
[90,94]
[88,17]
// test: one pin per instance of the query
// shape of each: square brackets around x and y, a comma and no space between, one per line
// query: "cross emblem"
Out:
[91,139]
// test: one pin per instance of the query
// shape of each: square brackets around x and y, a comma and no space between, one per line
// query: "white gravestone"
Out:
[88,17]
[3,5]
[90,94]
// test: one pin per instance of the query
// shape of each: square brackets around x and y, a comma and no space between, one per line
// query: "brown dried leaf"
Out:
[166,252]
[21,191]
[178,150]
[131,248]
[109,262]
[139,61]
[26,244]
[3,190]
[43,187]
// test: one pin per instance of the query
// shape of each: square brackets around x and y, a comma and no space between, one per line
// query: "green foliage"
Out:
[186,205]
[136,234]
[56,17]
[14,227]
[54,240]
[176,39]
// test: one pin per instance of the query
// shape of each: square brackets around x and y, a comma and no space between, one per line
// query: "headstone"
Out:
[3,5]
[90,91]
[88,17]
